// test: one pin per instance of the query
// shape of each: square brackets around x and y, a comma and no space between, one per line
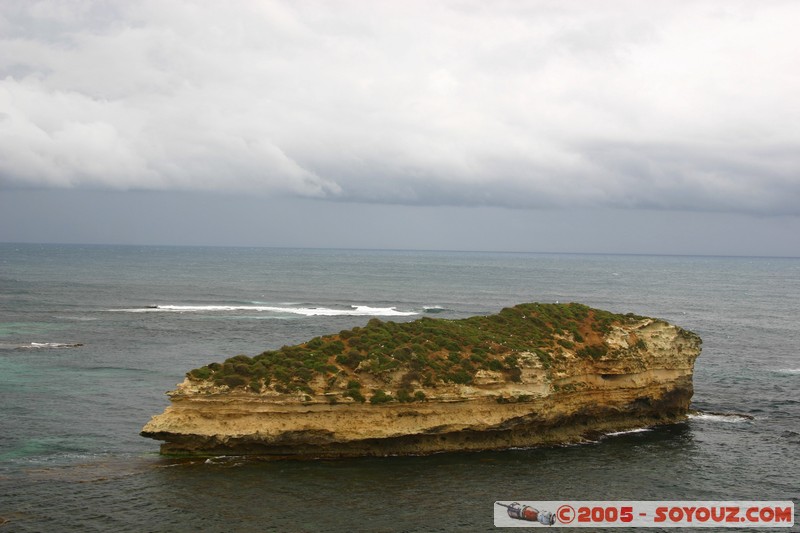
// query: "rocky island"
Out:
[533,374]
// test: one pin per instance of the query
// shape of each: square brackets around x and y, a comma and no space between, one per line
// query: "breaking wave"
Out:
[46,345]
[432,309]
[353,310]
[730,418]
[626,432]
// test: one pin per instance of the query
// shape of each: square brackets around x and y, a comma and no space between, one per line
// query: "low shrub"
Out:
[595,351]
[380,396]
[404,396]
[201,373]
[430,350]
[234,381]
[332,348]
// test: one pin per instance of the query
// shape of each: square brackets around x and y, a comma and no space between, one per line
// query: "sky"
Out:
[547,126]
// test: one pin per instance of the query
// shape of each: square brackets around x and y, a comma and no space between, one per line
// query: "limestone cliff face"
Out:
[578,379]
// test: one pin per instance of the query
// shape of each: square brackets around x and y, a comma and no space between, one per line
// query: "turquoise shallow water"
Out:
[92,336]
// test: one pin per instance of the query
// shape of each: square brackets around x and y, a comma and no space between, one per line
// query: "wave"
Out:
[788,371]
[626,432]
[435,309]
[225,460]
[354,310]
[78,318]
[730,418]
[45,345]
[285,304]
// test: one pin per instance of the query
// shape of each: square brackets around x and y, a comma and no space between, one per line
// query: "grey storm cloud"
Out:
[665,104]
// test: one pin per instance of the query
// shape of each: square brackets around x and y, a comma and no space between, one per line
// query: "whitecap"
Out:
[354,310]
[225,460]
[730,418]
[43,345]
[788,370]
[627,431]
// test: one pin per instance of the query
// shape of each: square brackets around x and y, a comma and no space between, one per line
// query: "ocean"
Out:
[91,337]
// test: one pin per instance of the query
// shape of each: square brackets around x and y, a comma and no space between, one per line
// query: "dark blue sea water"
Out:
[85,361]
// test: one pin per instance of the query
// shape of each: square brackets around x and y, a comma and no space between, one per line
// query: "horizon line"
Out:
[429,250]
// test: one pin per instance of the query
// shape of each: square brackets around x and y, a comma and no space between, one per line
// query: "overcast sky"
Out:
[609,126]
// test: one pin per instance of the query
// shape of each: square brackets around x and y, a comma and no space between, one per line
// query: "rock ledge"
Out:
[535,374]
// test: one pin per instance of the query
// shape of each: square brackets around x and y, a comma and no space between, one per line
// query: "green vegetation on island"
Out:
[420,354]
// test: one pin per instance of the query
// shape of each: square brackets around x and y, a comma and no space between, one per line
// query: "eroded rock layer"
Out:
[535,374]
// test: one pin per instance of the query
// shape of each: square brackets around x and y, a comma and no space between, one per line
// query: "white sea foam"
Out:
[731,418]
[626,432]
[355,310]
[225,460]
[41,345]
[788,370]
